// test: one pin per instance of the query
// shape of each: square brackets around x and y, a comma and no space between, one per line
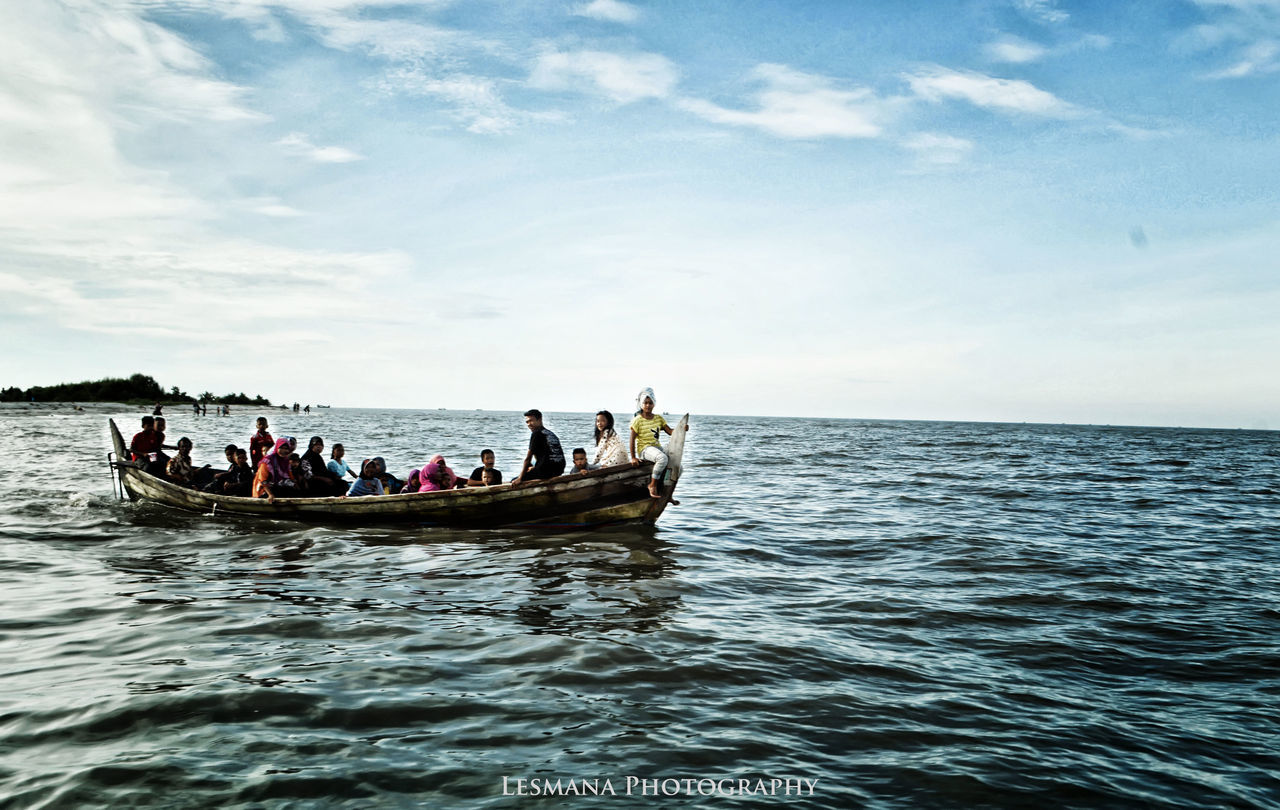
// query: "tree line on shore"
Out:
[141,389]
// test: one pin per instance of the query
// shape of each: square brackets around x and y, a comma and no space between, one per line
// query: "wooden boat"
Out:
[609,495]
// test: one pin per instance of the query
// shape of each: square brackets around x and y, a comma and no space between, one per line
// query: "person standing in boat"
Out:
[259,442]
[644,438]
[545,458]
[145,442]
[162,458]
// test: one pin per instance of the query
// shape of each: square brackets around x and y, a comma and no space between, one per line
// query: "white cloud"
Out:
[609,10]
[299,145]
[1248,28]
[1014,50]
[801,105]
[422,59]
[85,228]
[939,150]
[1045,11]
[272,207]
[473,100]
[1007,95]
[624,78]
[1255,59]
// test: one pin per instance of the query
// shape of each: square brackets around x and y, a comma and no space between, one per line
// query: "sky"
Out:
[1004,210]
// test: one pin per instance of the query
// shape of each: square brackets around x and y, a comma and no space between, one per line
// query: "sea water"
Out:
[839,614]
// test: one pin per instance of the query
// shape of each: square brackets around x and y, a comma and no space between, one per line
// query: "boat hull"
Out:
[611,495]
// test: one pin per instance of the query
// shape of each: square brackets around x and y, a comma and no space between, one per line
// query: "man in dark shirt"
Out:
[545,452]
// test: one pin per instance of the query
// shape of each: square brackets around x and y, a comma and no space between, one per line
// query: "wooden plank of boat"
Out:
[609,495]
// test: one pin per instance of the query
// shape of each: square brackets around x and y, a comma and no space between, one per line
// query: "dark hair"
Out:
[231,449]
[485,452]
[534,412]
[148,420]
[578,450]
[241,451]
[608,427]
[185,440]
[335,447]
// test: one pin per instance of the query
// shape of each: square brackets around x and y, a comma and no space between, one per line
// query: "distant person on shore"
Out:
[338,467]
[259,442]
[486,475]
[609,449]
[307,409]
[644,439]
[322,480]
[195,408]
[145,443]
[579,460]
[367,483]
[272,477]
[545,458]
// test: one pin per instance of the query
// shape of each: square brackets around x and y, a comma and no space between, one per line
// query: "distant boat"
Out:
[322,406]
[617,494]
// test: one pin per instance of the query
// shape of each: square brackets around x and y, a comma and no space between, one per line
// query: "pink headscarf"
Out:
[436,476]
[277,467]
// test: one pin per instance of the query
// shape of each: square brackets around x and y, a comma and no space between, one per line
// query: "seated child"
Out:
[485,475]
[239,482]
[368,483]
[232,474]
[579,461]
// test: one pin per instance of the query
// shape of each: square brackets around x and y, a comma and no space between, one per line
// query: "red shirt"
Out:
[259,443]
[143,443]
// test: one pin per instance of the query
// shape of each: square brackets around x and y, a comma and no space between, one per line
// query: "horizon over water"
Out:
[905,614]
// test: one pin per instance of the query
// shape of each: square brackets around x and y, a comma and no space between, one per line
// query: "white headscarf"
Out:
[645,392]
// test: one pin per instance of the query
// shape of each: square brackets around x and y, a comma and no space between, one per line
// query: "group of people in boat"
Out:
[273,468]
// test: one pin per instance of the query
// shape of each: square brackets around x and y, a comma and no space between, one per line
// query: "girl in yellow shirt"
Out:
[644,439]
